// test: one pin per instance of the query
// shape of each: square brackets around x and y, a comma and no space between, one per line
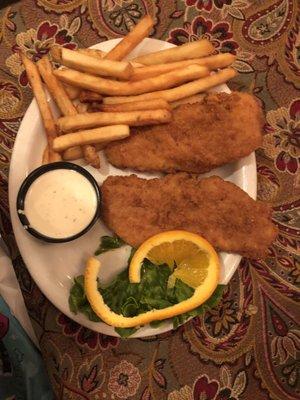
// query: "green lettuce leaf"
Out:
[109,243]
[78,301]
[131,299]
[125,332]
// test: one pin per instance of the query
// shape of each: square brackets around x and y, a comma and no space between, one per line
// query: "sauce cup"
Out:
[58,202]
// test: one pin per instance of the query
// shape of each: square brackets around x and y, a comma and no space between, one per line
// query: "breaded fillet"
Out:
[202,136]
[135,209]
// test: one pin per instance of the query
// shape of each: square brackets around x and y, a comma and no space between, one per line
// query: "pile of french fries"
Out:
[100,95]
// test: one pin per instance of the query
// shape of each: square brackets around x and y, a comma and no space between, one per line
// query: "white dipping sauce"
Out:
[60,203]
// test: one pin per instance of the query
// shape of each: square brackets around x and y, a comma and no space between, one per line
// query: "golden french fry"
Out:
[45,157]
[180,92]
[136,106]
[212,62]
[67,108]
[76,152]
[40,96]
[50,155]
[131,118]
[55,53]
[216,61]
[91,156]
[200,48]
[98,135]
[87,96]
[91,65]
[89,152]
[131,40]
[135,64]
[72,153]
[65,105]
[55,87]
[38,91]
[54,156]
[99,54]
[114,88]
[72,91]
[62,95]
[82,108]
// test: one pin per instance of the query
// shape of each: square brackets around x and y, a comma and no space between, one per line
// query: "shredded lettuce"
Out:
[130,299]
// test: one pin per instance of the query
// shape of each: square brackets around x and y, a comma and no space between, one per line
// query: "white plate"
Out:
[53,266]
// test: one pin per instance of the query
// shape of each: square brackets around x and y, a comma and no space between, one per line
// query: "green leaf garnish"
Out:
[109,243]
[78,301]
[130,299]
[125,332]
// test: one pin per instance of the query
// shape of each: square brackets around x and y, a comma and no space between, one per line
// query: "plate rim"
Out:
[82,320]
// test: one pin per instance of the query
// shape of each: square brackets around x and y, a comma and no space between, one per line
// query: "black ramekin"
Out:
[28,182]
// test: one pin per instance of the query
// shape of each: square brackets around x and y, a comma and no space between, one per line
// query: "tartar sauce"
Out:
[60,203]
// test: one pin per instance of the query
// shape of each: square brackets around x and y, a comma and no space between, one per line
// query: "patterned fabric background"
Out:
[246,348]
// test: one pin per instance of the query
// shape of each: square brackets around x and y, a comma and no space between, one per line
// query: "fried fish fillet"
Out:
[136,209]
[202,136]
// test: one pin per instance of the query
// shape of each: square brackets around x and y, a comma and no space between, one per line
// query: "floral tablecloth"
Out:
[246,347]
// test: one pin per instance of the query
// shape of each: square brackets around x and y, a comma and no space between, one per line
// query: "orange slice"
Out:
[206,279]
[194,258]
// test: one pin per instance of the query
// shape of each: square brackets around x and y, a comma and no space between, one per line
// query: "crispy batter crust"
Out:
[202,136]
[136,209]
